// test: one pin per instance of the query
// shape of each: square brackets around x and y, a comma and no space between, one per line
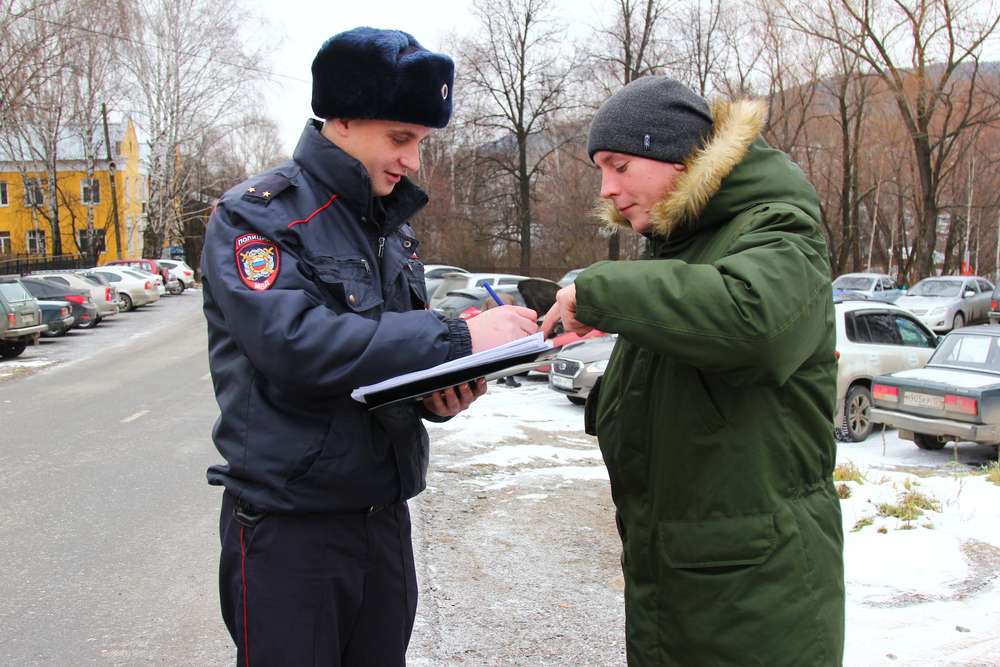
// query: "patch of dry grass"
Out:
[848,472]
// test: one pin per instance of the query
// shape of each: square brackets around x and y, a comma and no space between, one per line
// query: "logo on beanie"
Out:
[444,92]
[646,143]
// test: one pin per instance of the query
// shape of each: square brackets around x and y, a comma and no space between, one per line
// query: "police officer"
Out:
[313,286]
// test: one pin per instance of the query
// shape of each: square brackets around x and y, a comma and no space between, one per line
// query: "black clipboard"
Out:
[414,391]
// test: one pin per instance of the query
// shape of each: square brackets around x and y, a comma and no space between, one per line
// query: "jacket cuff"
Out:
[459,339]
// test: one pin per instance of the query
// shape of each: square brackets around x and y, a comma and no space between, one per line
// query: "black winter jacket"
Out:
[312,288]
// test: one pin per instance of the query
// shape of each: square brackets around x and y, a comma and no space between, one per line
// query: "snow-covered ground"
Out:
[923,592]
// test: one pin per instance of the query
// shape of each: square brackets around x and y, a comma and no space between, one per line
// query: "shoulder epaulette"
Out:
[265,189]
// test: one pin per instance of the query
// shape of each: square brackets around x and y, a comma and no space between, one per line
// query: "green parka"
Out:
[714,414]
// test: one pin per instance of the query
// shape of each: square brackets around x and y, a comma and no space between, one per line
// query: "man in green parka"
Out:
[714,416]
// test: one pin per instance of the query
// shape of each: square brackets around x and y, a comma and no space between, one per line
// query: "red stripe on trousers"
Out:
[313,214]
[243,572]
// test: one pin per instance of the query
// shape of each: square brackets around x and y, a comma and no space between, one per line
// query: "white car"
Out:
[451,282]
[134,289]
[878,286]
[949,302]
[872,338]
[179,270]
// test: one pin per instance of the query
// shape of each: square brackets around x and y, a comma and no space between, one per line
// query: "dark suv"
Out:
[20,318]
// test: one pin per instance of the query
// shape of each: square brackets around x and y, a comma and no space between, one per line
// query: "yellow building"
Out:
[24,229]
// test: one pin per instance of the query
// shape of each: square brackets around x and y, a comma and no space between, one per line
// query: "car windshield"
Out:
[14,292]
[937,288]
[972,351]
[853,283]
[134,274]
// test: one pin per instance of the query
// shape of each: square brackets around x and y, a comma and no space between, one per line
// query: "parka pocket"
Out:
[350,280]
[696,401]
[717,543]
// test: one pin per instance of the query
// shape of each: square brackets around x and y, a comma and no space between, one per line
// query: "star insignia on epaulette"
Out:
[251,189]
[266,194]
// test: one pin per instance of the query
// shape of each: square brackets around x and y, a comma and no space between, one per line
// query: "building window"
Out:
[33,193]
[36,242]
[128,235]
[82,239]
[4,243]
[3,194]
[90,191]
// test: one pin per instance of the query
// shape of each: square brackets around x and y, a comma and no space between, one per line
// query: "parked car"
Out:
[84,308]
[466,303]
[134,290]
[181,271]
[570,276]
[955,397]
[949,302]
[877,286]
[872,338]
[577,367]
[433,273]
[994,314]
[105,297]
[20,318]
[149,265]
[451,282]
[57,315]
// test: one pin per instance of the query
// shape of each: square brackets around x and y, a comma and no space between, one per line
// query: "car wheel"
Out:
[126,302]
[89,325]
[857,413]
[958,322]
[576,400]
[10,349]
[931,442]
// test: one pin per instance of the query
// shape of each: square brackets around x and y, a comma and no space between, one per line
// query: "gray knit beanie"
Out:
[653,117]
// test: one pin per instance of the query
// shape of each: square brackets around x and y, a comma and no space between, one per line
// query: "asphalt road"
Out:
[108,531]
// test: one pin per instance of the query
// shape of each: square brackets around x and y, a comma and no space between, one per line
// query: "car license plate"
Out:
[561,382]
[917,400]
[29,318]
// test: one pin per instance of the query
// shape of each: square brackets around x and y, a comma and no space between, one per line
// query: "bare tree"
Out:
[190,72]
[927,54]
[516,70]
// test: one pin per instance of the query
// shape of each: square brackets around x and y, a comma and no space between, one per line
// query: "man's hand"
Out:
[497,326]
[449,402]
[565,309]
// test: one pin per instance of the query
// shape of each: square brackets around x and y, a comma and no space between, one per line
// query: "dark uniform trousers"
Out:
[317,589]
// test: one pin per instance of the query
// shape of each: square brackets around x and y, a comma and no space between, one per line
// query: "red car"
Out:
[150,265]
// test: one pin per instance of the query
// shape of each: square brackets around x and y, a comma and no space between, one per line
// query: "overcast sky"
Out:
[301,26]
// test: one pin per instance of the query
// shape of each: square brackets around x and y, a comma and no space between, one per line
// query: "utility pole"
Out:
[114,186]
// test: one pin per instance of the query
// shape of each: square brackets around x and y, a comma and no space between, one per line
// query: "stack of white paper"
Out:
[533,344]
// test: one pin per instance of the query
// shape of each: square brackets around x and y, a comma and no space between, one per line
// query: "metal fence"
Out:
[24,264]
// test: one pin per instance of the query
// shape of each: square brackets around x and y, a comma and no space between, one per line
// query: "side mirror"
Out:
[967,294]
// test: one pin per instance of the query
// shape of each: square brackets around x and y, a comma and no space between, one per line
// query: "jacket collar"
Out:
[735,126]
[348,178]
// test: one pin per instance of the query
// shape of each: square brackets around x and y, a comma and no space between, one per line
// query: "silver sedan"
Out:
[947,303]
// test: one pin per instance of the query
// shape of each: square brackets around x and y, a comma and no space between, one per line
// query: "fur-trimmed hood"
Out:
[736,125]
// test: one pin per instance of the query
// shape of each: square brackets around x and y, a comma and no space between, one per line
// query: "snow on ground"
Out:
[921,592]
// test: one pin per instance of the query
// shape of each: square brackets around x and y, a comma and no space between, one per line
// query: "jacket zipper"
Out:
[381,245]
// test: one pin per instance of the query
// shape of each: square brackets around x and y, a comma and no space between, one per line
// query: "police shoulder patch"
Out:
[258,260]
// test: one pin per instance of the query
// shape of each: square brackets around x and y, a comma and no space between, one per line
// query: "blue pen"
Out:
[493,294]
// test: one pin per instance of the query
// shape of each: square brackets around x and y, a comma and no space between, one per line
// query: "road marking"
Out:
[132,418]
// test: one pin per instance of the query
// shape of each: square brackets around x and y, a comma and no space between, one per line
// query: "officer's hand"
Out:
[565,309]
[449,402]
[497,326]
